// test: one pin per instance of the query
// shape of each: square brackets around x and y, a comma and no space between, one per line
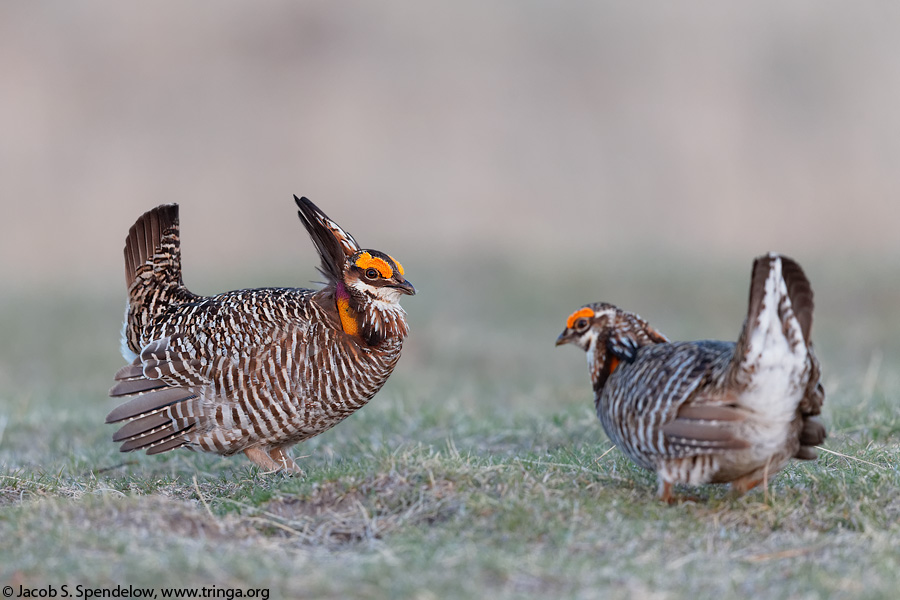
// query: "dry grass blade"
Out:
[599,458]
[848,457]
[202,499]
[560,465]
[782,554]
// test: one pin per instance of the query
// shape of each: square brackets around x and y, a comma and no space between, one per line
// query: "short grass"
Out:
[479,471]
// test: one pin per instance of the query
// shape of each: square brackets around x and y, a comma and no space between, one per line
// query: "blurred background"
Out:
[520,158]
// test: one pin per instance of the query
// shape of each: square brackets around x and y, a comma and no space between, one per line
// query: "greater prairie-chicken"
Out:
[252,371]
[710,411]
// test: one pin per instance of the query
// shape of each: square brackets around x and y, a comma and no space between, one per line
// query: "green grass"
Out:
[479,471]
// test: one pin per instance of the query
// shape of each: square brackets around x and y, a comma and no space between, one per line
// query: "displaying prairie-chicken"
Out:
[252,371]
[709,411]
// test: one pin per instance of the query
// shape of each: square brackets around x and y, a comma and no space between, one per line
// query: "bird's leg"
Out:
[746,483]
[665,491]
[666,494]
[285,461]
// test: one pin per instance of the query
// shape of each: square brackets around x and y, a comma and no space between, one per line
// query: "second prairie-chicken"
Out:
[252,371]
[709,411]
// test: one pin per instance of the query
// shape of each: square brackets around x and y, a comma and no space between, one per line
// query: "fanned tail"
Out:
[800,292]
[153,246]
[152,271]
[778,325]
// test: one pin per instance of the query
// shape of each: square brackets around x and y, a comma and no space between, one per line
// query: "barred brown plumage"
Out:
[709,411]
[253,371]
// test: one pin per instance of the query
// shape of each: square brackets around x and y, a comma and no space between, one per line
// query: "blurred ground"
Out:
[572,132]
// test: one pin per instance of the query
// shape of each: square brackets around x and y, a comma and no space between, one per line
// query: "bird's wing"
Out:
[667,403]
[705,425]
[194,377]
[160,408]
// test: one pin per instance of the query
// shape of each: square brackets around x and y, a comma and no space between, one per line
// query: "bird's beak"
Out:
[565,337]
[405,287]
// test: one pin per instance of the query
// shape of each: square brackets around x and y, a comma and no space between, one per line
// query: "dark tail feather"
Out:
[334,244]
[800,293]
[812,434]
[761,268]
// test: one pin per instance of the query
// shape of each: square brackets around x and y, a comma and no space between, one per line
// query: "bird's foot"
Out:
[667,495]
[274,461]
[741,486]
[285,462]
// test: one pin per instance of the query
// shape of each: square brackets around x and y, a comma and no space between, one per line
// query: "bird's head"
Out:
[376,275]
[585,325]
[609,335]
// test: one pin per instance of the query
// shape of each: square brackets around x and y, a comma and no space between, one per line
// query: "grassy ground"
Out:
[479,471]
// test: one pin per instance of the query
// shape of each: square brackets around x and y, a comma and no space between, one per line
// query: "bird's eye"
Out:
[371,274]
[581,324]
